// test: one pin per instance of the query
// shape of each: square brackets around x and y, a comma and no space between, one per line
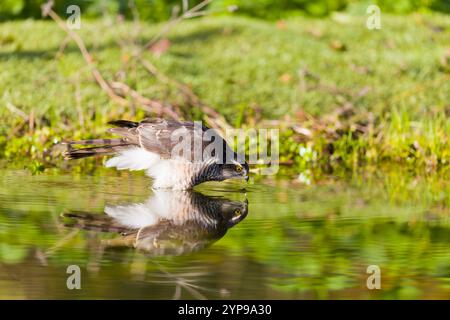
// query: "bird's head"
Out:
[234,212]
[234,170]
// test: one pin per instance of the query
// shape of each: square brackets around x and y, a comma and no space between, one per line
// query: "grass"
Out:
[395,82]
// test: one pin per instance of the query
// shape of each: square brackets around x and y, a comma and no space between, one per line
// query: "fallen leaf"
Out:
[125,58]
[360,69]
[281,24]
[390,44]
[285,78]
[160,47]
[337,45]
[316,33]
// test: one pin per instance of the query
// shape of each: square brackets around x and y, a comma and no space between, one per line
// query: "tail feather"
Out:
[92,221]
[102,147]
[99,142]
[72,154]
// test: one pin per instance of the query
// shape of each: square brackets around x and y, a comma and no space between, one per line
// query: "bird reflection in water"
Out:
[168,223]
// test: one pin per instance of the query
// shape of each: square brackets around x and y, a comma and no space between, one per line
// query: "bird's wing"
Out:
[155,135]
[174,139]
[168,137]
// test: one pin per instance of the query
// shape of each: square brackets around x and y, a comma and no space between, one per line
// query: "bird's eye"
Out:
[237,212]
[238,168]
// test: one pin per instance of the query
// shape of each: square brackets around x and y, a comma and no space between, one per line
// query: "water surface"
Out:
[277,239]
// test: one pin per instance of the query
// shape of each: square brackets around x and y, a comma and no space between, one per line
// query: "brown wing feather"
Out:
[102,147]
[154,135]
[72,154]
[92,221]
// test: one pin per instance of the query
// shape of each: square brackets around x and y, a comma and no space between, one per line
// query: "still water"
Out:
[275,239]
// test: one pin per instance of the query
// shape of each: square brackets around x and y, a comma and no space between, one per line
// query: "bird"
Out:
[153,145]
[169,222]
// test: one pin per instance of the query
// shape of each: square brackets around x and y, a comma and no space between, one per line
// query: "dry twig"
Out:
[149,104]
[122,94]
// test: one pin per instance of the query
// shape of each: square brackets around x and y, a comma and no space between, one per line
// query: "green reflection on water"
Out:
[296,241]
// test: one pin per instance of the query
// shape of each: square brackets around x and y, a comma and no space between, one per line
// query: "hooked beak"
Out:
[246,178]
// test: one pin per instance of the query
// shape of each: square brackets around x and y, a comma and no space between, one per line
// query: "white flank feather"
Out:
[163,205]
[172,173]
[167,173]
[133,216]
[133,159]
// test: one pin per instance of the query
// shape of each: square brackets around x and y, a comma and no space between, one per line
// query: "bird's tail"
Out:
[99,147]
[92,221]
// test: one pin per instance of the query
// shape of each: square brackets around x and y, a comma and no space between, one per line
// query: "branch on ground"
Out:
[148,104]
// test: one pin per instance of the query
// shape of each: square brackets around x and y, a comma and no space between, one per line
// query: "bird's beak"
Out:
[246,178]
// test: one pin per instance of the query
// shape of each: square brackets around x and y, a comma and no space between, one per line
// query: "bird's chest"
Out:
[180,175]
[200,172]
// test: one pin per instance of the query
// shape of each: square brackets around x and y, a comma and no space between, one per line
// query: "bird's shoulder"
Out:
[171,125]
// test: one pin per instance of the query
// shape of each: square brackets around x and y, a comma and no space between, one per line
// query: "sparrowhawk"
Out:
[177,155]
[168,223]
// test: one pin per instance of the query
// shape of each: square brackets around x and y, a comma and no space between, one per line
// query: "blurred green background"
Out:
[160,10]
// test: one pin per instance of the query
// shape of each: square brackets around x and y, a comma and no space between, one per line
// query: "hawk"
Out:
[168,223]
[177,155]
